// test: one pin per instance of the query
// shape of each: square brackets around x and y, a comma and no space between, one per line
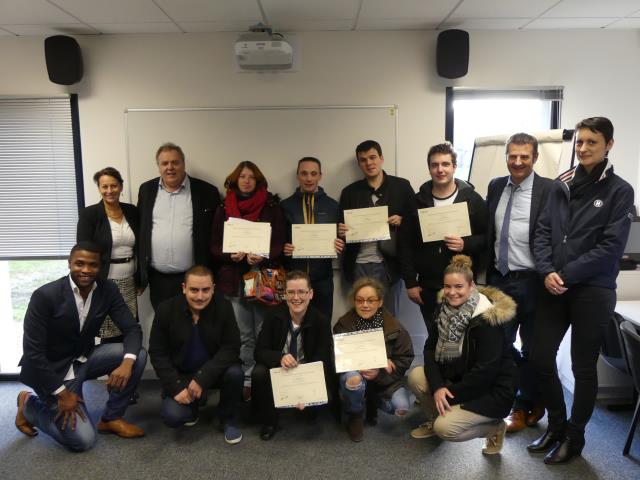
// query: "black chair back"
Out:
[631,338]
[613,349]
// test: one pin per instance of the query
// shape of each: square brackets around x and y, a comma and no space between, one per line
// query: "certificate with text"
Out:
[436,222]
[361,350]
[367,224]
[303,384]
[314,240]
[248,237]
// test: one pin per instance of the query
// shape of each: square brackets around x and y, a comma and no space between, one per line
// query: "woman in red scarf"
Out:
[247,198]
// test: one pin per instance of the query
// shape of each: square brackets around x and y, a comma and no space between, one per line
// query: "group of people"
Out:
[550,248]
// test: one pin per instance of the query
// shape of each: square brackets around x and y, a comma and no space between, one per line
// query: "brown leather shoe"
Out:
[21,421]
[537,412]
[120,427]
[516,420]
[355,427]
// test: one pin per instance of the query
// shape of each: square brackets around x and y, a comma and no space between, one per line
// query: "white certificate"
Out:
[304,384]
[361,350]
[245,236]
[314,240]
[367,224]
[436,222]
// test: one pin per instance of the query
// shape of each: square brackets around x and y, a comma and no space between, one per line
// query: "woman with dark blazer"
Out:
[113,226]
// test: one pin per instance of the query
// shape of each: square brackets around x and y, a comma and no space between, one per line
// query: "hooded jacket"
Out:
[423,263]
[484,379]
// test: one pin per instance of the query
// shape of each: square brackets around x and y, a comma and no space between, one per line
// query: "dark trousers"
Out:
[175,414]
[430,304]
[323,295]
[524,290]
[586,310]
[163,286]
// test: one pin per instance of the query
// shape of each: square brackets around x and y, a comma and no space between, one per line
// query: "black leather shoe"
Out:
[564,451]
[267,432]
[545,443]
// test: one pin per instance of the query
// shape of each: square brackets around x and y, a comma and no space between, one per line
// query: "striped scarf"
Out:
[452,324]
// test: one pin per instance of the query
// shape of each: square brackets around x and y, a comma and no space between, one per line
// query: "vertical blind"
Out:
[38,202]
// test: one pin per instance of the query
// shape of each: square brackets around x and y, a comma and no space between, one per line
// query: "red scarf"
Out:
[247,208]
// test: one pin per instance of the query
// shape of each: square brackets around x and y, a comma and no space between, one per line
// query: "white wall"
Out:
[599,70]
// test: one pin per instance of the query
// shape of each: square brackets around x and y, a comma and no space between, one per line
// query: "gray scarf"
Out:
[452,324]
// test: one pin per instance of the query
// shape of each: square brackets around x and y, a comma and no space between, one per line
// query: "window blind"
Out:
[38,198]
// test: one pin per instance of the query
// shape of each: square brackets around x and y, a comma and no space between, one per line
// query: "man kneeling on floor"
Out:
[60,327]
[195,346]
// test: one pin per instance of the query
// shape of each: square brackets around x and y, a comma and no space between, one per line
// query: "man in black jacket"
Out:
[291,334]
[377,259]
[512,269]
[422,263]
[176,212]
[195,346]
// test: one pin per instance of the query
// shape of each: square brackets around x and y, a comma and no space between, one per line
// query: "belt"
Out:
[521,274]
[121,260]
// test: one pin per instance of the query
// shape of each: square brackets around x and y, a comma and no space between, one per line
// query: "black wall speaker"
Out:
[64,59]
[452,53]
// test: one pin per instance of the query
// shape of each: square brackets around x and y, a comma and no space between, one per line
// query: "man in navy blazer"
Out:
[515,203]
[176,212]
[60,353]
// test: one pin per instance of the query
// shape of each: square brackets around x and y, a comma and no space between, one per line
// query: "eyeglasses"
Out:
[370,301]
[293,293]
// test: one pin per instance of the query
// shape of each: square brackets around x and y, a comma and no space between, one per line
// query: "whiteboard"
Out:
[216,139]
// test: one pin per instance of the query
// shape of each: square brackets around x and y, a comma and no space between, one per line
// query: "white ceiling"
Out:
[93,17]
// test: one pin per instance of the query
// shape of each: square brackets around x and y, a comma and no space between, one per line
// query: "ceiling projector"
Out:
[262,49]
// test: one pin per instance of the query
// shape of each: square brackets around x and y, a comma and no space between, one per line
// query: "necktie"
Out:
[503,250]
[293,344]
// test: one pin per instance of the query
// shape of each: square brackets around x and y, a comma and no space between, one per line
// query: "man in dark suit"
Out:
[176,211]
[195,346]
[59,354]
[515,203]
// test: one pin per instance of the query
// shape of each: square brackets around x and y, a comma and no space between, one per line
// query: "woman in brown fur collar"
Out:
[468,382]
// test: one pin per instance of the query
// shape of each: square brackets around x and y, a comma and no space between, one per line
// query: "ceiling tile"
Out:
[486,23]
[313,25]
[222,26]
[417,10]
[146,27]
[568,23]
[625,23]
[5,32]
[113,11]
[593,8]
[397,24]
[32,12]
[501,8]
[53,29]
[211,10]
[278,10]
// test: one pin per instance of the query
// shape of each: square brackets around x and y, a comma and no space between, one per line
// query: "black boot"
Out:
[570,446]
[546,442]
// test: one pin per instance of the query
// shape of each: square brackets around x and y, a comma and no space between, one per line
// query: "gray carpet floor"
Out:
[299,450]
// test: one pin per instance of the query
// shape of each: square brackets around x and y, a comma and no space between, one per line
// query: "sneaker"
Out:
[191,423]
[425,430]
[232,434]
[495,440]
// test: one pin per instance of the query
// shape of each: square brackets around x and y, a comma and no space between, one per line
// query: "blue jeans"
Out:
[175,414]
[353,399]
[249,316]
[41,412]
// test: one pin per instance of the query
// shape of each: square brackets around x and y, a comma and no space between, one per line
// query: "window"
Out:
[473,113]
[40,171]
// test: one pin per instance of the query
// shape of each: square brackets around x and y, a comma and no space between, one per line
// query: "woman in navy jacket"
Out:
[579,240]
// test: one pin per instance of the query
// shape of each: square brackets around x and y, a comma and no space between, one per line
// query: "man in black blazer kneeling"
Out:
[60,353]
